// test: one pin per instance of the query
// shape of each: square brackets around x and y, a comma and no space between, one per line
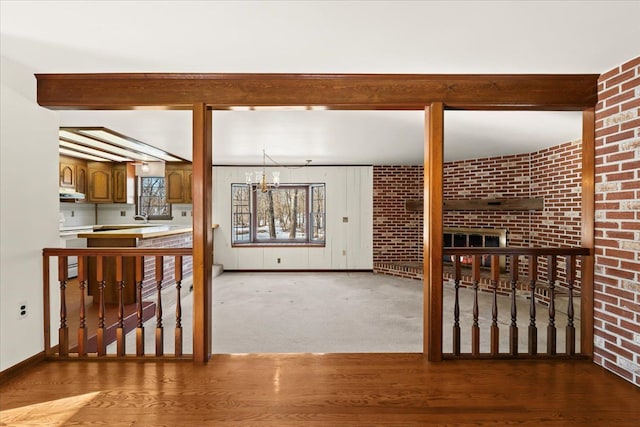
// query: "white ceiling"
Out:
[326,37]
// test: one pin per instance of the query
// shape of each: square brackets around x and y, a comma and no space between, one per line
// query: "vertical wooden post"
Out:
[432,252]
[456,305]
[139,273]
[100,334]
[533,330]
[551,328]
[202,232]
[120,334]
[47,303]
[475,328]
[514,264]
[587,227]
[495,279]
[82,327]
[63,331]
[570,334]
[178,331]
[159,328]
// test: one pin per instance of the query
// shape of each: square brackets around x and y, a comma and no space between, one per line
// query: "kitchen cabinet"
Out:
[100,185]
[178,180]
[73,174]
[81,180]
[123,183]
[110,183]
[67,175]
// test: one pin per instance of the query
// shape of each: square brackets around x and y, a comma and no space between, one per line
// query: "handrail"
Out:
[117,251]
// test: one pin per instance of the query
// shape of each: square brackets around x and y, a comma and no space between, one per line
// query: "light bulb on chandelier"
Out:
[259,178]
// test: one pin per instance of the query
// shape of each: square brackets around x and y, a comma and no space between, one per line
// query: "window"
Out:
[288,214]
[152,200]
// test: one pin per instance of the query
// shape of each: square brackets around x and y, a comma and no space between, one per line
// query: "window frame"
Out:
[139,197]
[254,241]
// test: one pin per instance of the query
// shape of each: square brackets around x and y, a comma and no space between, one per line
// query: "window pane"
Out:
[240,213]
[317,213]
[281,214]
[153,201]
[290,213]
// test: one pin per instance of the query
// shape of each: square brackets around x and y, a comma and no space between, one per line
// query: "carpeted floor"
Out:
[334,313]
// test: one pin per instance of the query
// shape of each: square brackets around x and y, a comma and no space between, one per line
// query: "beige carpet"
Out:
[336,313]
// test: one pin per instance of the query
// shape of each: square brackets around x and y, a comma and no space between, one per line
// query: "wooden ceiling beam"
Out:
[333,91]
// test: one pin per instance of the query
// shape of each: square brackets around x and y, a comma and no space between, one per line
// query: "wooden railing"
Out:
[540,275]
[143,311]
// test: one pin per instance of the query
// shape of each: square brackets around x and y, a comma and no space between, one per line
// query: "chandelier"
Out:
[259,180]
[260,177]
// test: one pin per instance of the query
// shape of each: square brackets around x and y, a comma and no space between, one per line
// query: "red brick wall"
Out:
[397,234]
[617,230]
[552,173]
[184,240]
[494,177]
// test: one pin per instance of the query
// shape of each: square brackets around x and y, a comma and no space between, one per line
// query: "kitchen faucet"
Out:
[145,218]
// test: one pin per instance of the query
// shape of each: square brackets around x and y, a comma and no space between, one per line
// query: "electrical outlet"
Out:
[123,213]
[73,213]
[22,310]
[184,213]
[279,260]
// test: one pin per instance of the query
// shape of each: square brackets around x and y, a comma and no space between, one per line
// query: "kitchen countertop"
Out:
[135,231]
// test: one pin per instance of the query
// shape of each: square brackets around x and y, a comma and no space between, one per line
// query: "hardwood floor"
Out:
[320,390]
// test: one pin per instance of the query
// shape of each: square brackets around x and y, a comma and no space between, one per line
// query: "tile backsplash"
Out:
[76,214]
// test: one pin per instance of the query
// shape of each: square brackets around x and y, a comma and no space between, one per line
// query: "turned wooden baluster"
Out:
[178,333]
[159,328]
[571,331]
[551,329]
[100,336]
[139,273]
[456,306]
[533,330]
[495,278]
[475,328]
[63,331]
[513,329]
[82,327]
[120,333]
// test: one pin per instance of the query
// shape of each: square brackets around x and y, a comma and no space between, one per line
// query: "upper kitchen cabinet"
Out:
[178,177]
[100,182]
[124,182]
[111,183]
[82,178]
[73,174]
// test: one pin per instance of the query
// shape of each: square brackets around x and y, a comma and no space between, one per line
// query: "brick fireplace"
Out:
[552,174]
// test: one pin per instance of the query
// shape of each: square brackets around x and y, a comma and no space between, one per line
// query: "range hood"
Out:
[70,195]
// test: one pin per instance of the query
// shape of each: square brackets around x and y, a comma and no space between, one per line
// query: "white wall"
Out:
[349,193]
[28,210]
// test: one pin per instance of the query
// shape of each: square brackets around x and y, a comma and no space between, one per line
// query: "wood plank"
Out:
[587,221]
[537,204]
[334,91]
[321,390]
[202,232]
[432,258]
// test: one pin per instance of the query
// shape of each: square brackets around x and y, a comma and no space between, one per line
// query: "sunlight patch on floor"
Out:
[51,413]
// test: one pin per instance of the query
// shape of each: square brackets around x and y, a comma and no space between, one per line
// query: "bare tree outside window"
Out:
[152,201]
[286,214]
